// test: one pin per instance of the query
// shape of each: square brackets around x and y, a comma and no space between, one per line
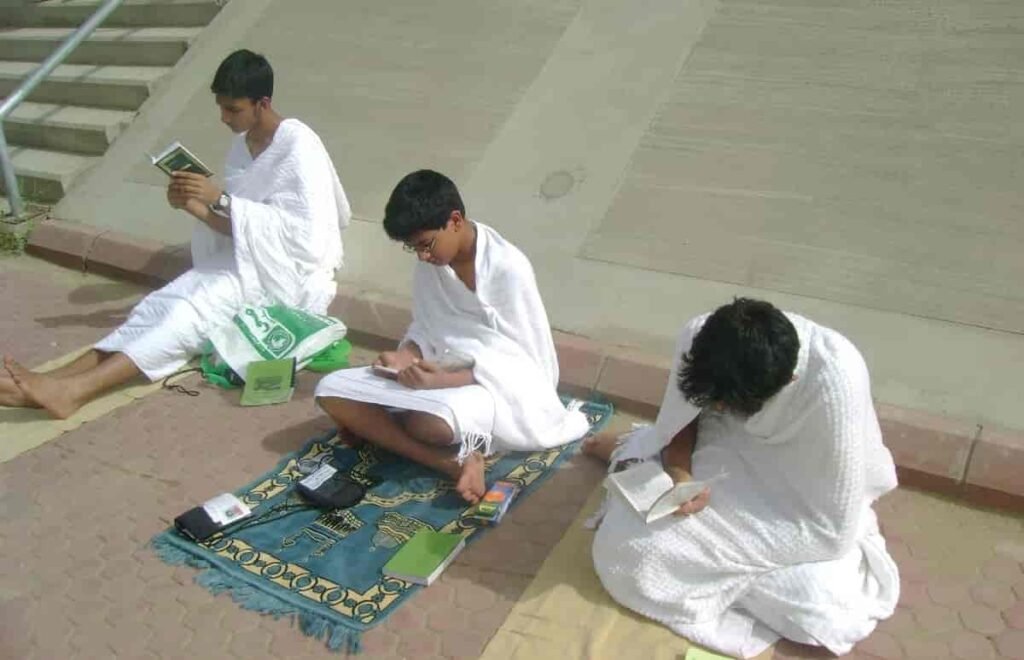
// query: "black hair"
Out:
[743,355]
[244,74]
[423,200]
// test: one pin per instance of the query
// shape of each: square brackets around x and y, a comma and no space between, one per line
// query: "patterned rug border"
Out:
[218,563]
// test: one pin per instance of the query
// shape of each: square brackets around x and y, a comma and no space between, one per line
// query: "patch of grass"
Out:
[14,236]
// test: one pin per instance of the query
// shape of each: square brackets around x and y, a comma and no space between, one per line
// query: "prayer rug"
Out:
[324,567]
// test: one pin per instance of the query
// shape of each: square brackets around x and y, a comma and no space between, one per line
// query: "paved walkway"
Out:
[77,580]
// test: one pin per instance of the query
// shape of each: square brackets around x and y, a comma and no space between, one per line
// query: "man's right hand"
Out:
[397,360]
[677,464]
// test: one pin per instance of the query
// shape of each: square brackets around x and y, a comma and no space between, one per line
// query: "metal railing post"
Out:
[28,85]
[10,181]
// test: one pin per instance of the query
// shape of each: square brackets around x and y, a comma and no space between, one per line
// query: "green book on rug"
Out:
[268,382]
[695,653]
[424,557]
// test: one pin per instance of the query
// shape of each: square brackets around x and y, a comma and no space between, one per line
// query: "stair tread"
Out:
[105,34]
[31,207]
[53,165]
[70,116]
[144,75]
[96,3]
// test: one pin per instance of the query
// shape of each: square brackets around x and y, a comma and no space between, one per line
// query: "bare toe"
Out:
[11,395]
[600,446]
[43,391]
[471,485]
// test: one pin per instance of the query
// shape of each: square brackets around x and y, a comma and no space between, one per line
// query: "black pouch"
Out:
[196,524]
[325,489]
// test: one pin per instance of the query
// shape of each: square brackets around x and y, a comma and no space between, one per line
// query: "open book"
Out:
[650,491]
[177,158]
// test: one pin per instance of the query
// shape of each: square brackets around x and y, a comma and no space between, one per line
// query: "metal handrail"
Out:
[28,86]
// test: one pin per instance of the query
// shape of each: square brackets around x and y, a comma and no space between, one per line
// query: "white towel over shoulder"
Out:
[504,327]
[288,210]
[287,213]
[789,543]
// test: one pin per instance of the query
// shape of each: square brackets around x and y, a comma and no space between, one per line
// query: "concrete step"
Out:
[44,176]
[74,129]
[160,46]
[120,87]
[133,13]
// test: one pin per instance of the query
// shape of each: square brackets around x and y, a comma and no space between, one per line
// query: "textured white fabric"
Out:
[468,411]
[789,543]
[504,327]
[287,210]
[168,327]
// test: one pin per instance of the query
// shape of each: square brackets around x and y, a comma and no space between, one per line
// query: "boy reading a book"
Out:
[786,543]
[474,297]
[270,235]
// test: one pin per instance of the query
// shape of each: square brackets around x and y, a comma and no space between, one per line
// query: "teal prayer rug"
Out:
[323,567]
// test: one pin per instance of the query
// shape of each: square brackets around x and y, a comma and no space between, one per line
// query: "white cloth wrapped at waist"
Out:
[789,543]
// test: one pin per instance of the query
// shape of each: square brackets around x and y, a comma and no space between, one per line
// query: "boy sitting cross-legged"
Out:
[477,367]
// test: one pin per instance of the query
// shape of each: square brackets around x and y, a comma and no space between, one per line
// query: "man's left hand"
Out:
[196,186]
[422,375]
[695,505]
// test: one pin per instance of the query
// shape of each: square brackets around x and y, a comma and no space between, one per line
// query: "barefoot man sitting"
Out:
[786,544]
[477,367]
[271,236]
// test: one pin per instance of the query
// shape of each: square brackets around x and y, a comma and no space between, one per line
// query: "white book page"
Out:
[317,479]
[385,372]
[677,496]
[165,153]
[640,485]
[226,509]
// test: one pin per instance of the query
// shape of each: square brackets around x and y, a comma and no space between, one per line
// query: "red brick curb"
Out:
[984,465]
[108,252]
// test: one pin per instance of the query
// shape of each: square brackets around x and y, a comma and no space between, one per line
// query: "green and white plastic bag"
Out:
[273,333]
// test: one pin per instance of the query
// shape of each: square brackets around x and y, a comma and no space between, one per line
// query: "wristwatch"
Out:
[223,205]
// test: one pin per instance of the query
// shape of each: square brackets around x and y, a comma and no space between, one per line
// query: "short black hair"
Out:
[745,353]
[244,74]
[421,201]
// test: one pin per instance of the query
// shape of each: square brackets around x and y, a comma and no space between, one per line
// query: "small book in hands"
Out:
[268,382]
[177,158]
[650,491]
[424,557]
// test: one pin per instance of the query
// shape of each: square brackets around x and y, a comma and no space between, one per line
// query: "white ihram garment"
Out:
[287,213]
[789,544]
[503,326]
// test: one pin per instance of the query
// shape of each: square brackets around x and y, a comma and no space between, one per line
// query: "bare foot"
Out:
[43,391]
[470,484]
[600,446]
[11,395]
[350,439]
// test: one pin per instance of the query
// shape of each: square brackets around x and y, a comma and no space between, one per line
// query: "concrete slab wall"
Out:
[539,111]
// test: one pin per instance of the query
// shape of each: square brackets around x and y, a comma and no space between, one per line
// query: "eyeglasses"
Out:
[421,249]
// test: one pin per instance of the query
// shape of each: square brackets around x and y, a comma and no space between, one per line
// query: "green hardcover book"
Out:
[696,653]
[177,158]
[424,557]
[268,382]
